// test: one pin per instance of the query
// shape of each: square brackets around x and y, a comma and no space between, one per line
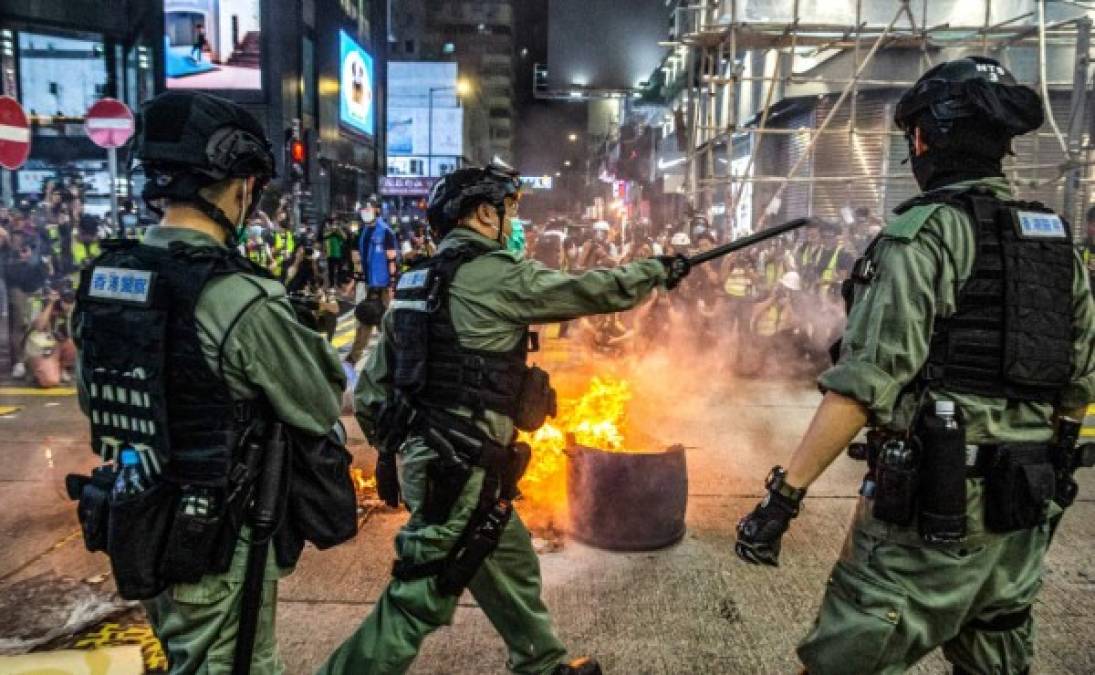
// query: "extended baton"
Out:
[748,241]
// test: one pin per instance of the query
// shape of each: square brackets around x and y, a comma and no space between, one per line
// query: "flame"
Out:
[363,484]
[596,419]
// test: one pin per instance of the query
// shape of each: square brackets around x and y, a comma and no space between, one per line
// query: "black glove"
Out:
[387,479]
[760,532]
[676,268]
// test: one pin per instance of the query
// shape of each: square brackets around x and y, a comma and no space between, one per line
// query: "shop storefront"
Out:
[57,64]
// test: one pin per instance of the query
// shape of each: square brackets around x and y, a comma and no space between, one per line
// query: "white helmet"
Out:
[680,239]
[601,226]
[791,281]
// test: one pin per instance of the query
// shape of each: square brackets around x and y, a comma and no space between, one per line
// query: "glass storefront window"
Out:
[60,76]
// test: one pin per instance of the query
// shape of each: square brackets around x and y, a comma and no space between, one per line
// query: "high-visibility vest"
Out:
[771,321]
[84,252]
[829,272]
[258,255]
[738,284]
[808,255]
[773,270]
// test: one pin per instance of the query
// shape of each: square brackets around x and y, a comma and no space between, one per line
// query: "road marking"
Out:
[6,410]
[141,635]
[37,391]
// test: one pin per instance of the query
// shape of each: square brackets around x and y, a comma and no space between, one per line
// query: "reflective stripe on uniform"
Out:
[413,305]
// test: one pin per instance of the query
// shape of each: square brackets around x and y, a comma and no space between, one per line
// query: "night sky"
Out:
[605,43]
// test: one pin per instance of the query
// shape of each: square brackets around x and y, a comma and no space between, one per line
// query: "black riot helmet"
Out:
[457,193]
[967,110]
[187,141]
[975,88]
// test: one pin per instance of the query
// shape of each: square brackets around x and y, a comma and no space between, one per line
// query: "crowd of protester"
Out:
[772,309]
[43,247]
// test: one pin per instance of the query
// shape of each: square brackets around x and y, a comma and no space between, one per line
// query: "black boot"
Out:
[582,666]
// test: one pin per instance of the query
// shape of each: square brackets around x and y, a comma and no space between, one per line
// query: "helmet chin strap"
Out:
[501,211]
[218,216]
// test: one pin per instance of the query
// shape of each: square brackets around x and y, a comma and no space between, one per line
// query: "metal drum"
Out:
[625,501]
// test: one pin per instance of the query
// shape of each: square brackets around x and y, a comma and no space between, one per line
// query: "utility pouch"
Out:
[1018,487]
[93,507]
[189,553]
[897,475]
[322,506]
[444,483]
[140,526]
[536,401]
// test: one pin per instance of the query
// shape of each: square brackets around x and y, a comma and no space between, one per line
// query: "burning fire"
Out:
[596,419]
[363,485]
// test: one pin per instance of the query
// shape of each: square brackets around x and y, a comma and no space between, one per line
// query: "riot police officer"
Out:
[442,396]
[970,352]
[183,346]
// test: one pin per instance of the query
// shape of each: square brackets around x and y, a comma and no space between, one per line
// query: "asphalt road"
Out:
[691,608]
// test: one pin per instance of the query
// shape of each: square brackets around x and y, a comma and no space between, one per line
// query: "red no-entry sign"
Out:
[14,134]
[109,123]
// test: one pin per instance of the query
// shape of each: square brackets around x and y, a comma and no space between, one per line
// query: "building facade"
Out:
[316,66]
[479,36]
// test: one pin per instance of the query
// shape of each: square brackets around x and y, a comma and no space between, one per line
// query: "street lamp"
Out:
[566,163]
[572,137]
[462,88]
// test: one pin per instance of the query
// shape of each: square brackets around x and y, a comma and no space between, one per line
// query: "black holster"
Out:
[1019,483]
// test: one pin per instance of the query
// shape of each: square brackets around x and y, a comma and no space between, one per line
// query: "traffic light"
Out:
[296,153]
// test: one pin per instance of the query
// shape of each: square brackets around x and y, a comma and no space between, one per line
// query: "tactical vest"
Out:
[1011,333]
[149,384]
[430,367]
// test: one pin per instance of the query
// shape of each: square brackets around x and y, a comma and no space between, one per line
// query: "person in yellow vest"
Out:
[85,246]
[282,247]
[772,263]
[740,285]
[807,255]
[256,249]
[50,352]
[834,260]
[775,324]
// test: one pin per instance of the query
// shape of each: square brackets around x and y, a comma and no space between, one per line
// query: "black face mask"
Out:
[934,168]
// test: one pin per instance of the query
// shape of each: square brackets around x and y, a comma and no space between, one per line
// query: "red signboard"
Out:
[14,134]
[109,123]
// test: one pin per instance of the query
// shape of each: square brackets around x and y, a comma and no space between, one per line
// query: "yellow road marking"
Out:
[9,409]
[37,391]
[141,635]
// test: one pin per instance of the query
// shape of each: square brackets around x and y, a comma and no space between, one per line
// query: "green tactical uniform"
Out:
[197,622]
[492,300]
[892,598]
